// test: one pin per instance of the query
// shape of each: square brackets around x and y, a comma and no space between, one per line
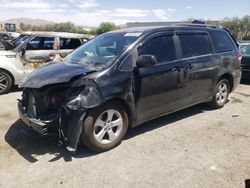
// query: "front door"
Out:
[158,89]
[40,50]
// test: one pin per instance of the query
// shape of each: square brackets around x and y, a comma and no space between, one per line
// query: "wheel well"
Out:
[229,78]
[9,73]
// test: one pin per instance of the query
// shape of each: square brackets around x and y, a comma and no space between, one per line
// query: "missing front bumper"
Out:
[42,127]
[69,136]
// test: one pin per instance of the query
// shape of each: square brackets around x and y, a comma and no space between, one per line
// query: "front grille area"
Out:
[43,104]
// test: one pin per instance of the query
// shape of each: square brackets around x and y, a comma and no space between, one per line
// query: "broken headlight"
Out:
[87,97]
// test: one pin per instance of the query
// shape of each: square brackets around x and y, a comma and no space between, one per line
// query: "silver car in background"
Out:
[37,49]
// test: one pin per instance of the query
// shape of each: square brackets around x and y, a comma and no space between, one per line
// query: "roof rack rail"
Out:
[197,25]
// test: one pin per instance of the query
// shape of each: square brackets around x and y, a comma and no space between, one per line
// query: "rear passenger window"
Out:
[41,43]
[162,48]
[194,45]
[222,42]
[69,43]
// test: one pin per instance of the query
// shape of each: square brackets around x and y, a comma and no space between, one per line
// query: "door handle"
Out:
[176,70]
[188,67]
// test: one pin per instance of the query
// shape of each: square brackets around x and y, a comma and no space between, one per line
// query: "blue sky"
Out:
[92,12]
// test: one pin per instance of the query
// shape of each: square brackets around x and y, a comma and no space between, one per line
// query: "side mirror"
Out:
[146,61]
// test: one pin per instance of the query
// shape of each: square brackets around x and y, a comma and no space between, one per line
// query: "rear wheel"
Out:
[5,82]
[221,94]
[105,127]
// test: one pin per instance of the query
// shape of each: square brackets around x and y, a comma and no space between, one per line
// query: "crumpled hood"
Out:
[53,73]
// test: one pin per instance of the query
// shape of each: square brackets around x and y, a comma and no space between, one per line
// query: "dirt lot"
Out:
[196,147]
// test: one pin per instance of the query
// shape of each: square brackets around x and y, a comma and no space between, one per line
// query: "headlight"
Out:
[88,97]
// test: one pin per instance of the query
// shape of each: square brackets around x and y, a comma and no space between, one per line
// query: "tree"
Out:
[22,26]
[105,27]
[239,27]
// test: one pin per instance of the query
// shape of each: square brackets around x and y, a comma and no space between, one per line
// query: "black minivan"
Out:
[126,77]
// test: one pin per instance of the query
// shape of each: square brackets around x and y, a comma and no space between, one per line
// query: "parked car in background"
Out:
[33,51]
[5,36]
[10,45]
[245,63]
[123,78]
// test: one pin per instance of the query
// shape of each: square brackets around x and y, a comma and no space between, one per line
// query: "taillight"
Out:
[239,56]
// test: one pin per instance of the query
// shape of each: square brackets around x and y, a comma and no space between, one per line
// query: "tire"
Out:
[5,82]
[100,132]
[221,95]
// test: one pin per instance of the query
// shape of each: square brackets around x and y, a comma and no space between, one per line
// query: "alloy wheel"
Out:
[3,82]
[108,126]
[222,92]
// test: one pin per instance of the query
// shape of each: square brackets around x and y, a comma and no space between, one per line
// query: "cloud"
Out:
[63,5]
[122,12]
[163,14]
[189,7]
[33,4]
[85,3]
[171,10]
[160,13]
[118,16]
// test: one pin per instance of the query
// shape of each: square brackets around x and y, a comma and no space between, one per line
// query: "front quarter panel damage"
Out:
[89,97]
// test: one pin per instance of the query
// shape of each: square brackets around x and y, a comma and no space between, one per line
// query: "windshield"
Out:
[19,40]
[102,50]
[245,49]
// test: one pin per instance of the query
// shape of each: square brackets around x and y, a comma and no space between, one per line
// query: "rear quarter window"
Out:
[194,45]
[69,43]
[222,42]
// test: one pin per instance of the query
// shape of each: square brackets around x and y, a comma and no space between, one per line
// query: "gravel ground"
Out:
[196,147]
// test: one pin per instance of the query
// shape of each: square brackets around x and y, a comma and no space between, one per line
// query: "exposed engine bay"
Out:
[60,108]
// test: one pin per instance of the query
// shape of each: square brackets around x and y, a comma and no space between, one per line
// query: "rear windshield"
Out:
[102,50]
[245,49]
[19,40]
[222,42]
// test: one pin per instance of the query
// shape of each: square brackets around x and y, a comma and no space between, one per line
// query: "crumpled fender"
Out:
[74,130]
[89,97]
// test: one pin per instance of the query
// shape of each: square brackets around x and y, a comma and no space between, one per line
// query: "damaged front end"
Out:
[59,109]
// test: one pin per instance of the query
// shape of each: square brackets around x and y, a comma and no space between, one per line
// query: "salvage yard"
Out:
[196,147]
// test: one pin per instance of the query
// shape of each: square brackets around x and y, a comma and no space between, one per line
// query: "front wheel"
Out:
[221,94]
[105,127]
[5,82]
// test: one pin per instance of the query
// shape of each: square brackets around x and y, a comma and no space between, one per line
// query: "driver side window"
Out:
[162,47]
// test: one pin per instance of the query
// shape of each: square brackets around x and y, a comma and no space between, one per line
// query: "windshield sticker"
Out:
[132,34]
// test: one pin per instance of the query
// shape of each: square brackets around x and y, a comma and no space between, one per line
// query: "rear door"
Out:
[200,65]
[40,50]
[158,89]
[67,45]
